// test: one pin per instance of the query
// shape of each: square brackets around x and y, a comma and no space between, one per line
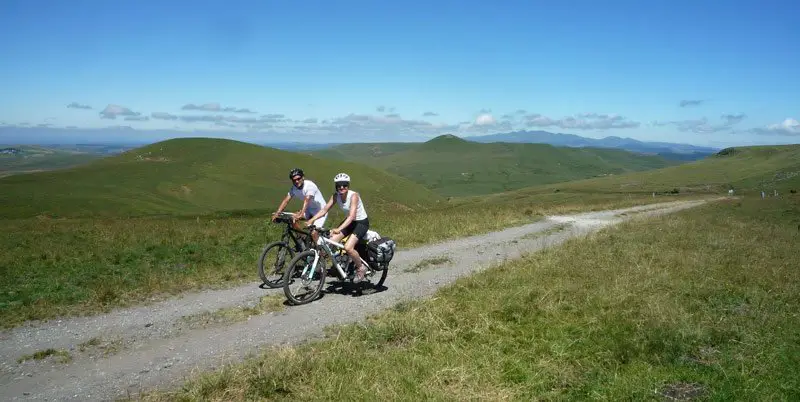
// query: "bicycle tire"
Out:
[298,263]
[276,283]
[384,272]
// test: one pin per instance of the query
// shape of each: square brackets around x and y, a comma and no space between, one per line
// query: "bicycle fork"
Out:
[313,264]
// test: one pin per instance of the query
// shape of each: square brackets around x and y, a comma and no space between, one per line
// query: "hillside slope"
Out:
[746,170]
[453,166]
[193,175]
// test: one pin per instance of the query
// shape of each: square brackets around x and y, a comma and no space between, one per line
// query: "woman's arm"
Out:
[322,212]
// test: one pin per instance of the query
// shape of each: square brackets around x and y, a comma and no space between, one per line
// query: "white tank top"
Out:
[361,213]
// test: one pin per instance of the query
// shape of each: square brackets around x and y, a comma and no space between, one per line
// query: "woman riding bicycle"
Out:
[355,224]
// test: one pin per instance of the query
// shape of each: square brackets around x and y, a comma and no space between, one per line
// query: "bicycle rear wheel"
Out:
[383,273]
[272,262]
[300,277]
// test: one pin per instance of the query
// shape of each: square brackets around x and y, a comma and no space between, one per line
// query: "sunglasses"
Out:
[342,185]
[296,179]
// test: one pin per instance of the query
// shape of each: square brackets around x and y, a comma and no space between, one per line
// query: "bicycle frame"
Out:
[325,243]
[289,232]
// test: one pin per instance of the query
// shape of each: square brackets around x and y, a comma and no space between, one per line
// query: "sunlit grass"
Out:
[703,302]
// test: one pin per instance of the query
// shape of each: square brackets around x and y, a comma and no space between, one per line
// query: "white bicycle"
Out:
[308,269]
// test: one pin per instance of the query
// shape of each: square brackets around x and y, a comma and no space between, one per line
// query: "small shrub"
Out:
[727,152]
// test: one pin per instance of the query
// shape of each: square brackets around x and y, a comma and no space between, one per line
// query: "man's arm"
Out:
[282,206]
[305,205]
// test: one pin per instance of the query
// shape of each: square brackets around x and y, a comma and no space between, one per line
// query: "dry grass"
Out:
[428,262]
[226,316]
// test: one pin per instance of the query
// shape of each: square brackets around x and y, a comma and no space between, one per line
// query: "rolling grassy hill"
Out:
[29,158]
[453,166]
[189,176]
[745,169]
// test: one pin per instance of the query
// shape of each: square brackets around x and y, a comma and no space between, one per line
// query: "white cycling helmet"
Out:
[341,177]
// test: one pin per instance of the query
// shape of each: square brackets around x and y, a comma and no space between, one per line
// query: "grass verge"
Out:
[231,315]
[62,267]
[702,303]
[60,355]
[101,347]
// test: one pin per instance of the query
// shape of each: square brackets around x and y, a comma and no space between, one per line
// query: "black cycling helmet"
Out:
[296,172]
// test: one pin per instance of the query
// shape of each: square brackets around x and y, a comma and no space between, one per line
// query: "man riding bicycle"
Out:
[313,201]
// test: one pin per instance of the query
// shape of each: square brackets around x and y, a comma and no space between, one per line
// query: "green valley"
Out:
[31,158]
[452,166]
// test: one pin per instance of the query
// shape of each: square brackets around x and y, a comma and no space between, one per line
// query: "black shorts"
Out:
[358,228]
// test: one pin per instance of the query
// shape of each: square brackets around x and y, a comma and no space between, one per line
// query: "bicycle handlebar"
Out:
[323,231]
[283,217]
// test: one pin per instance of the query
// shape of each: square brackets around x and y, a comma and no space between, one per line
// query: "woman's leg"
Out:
[350,248]
[337,237]
[346,231]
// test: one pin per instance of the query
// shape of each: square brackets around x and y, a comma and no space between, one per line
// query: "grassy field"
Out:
[452,166]
[702,304]
[29,158]
[60,267]
[191,176]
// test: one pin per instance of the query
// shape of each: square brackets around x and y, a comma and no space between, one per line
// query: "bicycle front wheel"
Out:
[302,282]
[272,262]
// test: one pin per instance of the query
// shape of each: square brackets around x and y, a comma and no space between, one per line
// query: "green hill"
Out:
[193,175]
[745,169]
[362,151]
[30,158]
[453,166]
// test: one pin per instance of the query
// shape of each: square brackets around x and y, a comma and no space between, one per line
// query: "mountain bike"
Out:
[283,250]
[312,265]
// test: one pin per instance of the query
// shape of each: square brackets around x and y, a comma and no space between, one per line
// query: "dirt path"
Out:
[118,354]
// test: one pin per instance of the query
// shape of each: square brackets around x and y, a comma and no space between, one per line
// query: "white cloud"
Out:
[702,126]
[584,121]
[790,126]
[112,111]
[215,107]
[163,116]
[691,102]
[76,105]
[485,119]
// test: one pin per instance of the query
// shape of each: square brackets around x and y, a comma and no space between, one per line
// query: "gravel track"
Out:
[152,347]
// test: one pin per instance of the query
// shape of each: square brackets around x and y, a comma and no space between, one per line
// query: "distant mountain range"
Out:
[665,149]
[127,138]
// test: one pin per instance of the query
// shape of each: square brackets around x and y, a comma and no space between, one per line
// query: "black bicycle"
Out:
[292,241]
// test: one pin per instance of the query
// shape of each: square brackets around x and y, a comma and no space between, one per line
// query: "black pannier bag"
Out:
[380,252]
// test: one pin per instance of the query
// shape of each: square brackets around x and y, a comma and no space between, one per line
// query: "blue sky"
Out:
[703,72]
